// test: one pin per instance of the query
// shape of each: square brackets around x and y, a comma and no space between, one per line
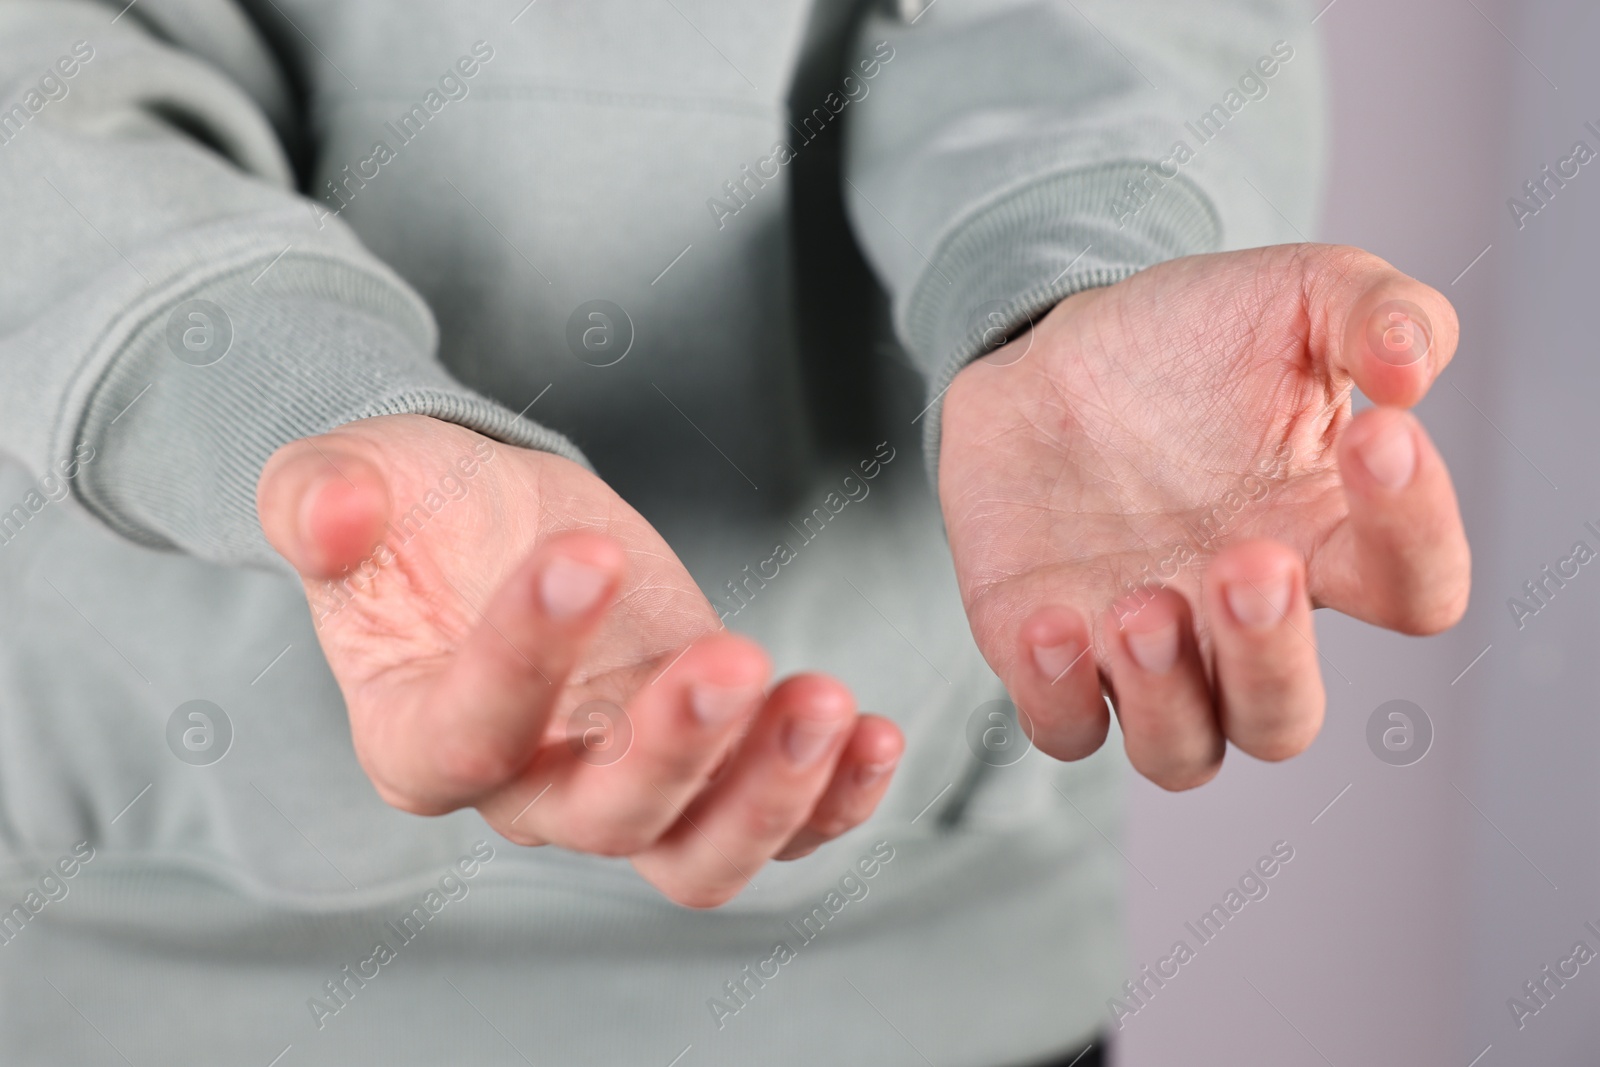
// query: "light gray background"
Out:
[1425,897]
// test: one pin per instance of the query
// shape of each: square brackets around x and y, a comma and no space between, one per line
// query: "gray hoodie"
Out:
[728,254]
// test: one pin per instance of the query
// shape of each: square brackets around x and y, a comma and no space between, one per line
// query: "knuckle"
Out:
[1166,738]
[679,762]
[833,826]
[519,835]
[607,836]
[1179,768]
[699,895]
[469,767]
[1352,262]
[1180,779]
[409,802]
[1277,745]
[801,845]
[1280,723]
[398,795]
[1324,263]
[1435,615]
[765,819]
[690,766]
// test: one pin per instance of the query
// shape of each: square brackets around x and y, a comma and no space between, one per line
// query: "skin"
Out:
[1071,458]
[467,649]
[1085,450]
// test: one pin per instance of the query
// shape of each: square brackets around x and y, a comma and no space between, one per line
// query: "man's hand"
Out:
[490,611]
[1174,457]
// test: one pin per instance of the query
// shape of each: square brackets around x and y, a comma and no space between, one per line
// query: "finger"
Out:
[1269,685]
[1042,652]
[780,772]
[859,781]
[1400,560]
[1163,700]
[1056,685]
[322,505]
[482,722]
[1390,333]
[681,723]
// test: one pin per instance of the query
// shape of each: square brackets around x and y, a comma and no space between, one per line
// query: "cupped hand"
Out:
[509,634]
[1153,487]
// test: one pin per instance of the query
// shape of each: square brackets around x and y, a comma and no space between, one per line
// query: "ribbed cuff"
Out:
[1024,253]
[185,417]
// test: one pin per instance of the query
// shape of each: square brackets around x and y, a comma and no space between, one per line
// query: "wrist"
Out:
[187,415]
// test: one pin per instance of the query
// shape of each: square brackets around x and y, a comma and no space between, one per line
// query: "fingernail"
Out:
[1054,660]
[715,705]
[1157,650]
[807,739]
[870,774]
[569,588]
[1261,604]
[310,500]
[1391,456]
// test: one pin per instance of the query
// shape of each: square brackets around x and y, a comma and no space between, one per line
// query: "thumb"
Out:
[1390,333]
[322,505]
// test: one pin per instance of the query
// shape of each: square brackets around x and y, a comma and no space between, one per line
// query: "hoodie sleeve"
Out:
[1006,154]
[171,311]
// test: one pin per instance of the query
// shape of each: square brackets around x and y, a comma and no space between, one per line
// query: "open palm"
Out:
[509,634]
[1163,477]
